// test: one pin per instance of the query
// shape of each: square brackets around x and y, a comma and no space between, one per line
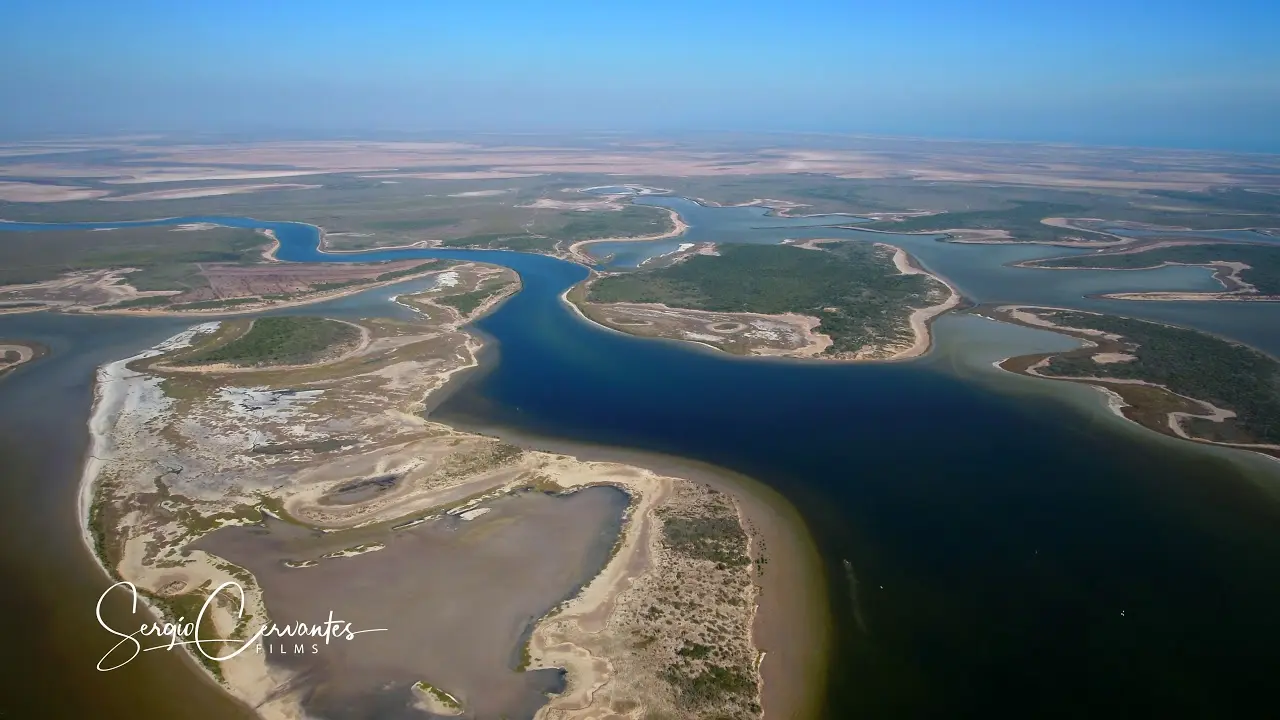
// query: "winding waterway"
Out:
[992,544]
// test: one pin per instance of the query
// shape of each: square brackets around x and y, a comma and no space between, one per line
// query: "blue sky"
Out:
[1174,73]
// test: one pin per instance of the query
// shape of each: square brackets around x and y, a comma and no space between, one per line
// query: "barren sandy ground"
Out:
[929,161]
[43,148]
[921,318]
[790,335]
[1174,296]
[604,203]
[144,176]
[80,290]
[185,193]
[480,193]
[25,353]
[37,193]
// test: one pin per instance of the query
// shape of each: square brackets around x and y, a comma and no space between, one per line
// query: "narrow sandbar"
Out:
[792,621]
[14,354]
[922,317]
[576,252]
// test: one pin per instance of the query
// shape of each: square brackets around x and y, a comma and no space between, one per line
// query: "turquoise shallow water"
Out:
[1014,552]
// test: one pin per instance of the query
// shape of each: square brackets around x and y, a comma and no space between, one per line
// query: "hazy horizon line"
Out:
[250,135]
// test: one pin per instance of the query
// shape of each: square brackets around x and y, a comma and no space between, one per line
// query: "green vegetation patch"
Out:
[165,257]
[854,288]
[467,302]
[281,341]
[413,223]
[1263,261]
[1022,221]
[710,686]
[630,221]
[150,301]
[1190,363]
[710,532]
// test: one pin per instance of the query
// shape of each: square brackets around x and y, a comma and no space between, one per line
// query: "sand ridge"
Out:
[576,252]
[206,191]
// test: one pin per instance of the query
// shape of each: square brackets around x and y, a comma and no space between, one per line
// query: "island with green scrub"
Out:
[829,299]
[1170,379]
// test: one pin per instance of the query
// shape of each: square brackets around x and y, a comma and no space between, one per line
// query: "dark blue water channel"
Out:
[1013,554]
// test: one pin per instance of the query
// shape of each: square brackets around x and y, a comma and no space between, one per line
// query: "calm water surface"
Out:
[1237,235]
[1014,552]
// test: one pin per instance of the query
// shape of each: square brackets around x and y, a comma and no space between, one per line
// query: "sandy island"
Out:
[17,353]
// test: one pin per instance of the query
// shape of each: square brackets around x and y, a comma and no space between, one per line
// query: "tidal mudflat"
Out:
[458,597]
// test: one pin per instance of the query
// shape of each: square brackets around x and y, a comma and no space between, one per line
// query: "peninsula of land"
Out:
[299,423]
